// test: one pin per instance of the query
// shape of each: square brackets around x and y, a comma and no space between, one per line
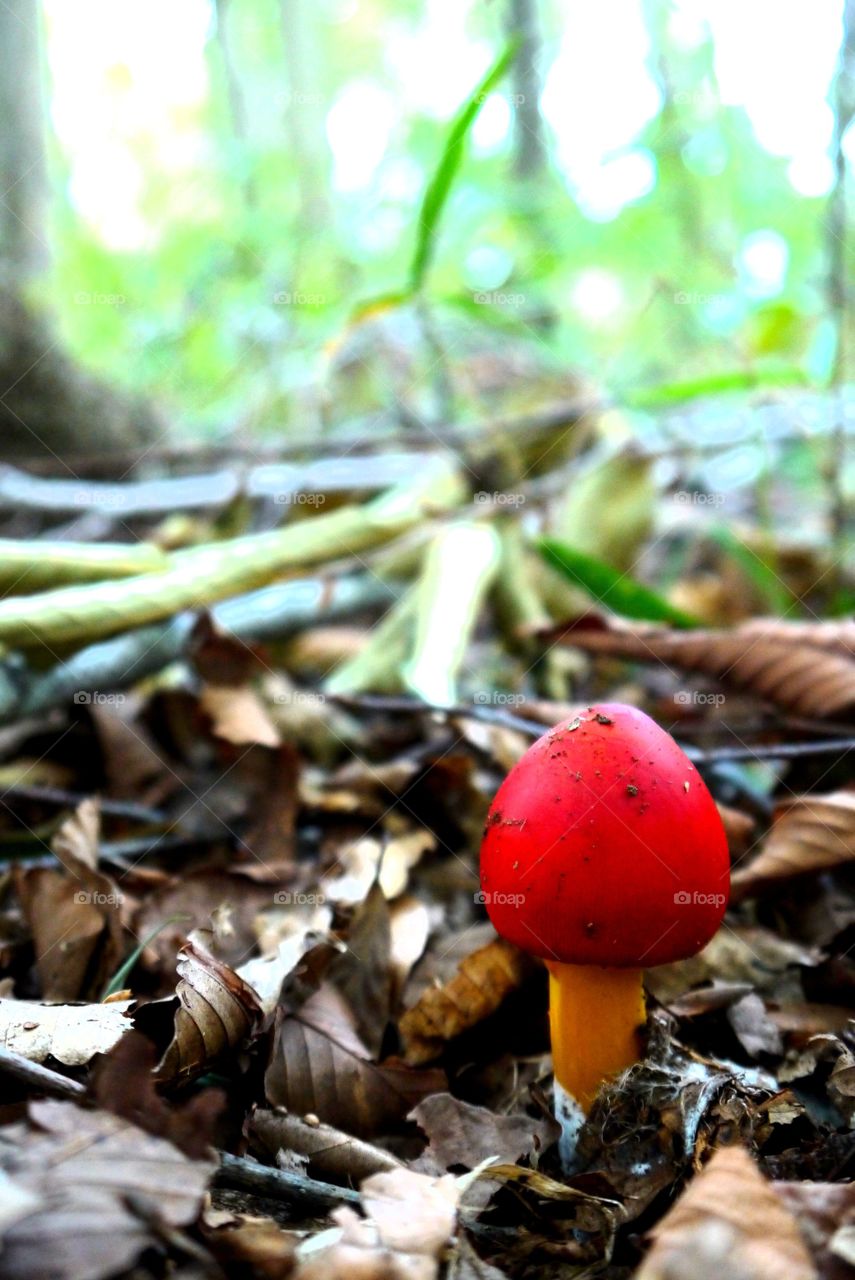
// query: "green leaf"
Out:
[713,384]
[439,187]
[117,982]
[617,591]
[775,593]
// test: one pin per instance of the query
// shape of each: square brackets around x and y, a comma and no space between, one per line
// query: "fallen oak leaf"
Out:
[320,1065]
[802,678]
[810,833]
[482,982]
[728,1221]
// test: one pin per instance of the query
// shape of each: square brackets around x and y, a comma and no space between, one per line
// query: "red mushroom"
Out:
[603,854]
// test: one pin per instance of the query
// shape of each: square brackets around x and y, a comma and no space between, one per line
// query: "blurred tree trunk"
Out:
[306,111]
[49,408]
[529,142]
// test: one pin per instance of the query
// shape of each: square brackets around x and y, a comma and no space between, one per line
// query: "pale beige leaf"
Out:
[409,1222]
[76,841]
[238,715]
[728,1222]
[809,834]
[70,1033]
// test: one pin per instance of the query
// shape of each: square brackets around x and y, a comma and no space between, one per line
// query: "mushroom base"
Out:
[595,1018]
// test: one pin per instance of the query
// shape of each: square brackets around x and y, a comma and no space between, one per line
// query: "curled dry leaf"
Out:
[99,1184]
[331,1153]
[728,1222]
[320,1065]
[810,833]
[409,1221]
[482,982]
[217,1012]
[803,678]
[70,1033]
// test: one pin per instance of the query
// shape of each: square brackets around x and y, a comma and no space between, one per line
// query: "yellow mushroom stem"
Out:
[595,1019]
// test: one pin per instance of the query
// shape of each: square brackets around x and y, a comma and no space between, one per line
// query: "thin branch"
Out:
[40,1078]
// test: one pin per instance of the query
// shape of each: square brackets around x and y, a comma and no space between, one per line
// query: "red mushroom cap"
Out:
[603,846]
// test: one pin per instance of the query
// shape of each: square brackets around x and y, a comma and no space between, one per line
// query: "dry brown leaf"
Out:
[76,926]
[462,1136]
[823,635]
[739,828]
[825,1212]
[319,1065]
[331,1153]
[249,1246]
[238,715]
[728,1222]
[217,1011]
[363,973]
[809,833]
[76,842]
[482,982]
[70,1033]
[805,679]
[98,1183]
[409,1221]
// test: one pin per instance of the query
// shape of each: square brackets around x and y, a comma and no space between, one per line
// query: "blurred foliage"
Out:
[240,304]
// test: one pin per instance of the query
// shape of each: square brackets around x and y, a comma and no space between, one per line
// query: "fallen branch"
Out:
[40,1078]
[203,575]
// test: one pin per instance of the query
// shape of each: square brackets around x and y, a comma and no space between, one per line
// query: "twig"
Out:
[71,799]
[41,1078]
[534,728]
[315,1197]
[281,1184]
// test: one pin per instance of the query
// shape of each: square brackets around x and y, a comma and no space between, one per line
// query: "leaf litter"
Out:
[320,1060]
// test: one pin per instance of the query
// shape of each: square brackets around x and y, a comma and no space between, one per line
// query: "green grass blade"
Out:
[605,584]
[117,982]
[439,187]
